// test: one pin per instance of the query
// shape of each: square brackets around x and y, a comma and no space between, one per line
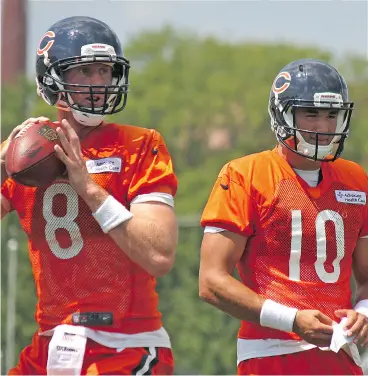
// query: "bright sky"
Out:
[337,25]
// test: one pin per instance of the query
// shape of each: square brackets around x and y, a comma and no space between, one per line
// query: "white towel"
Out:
[341,341]
[66,351]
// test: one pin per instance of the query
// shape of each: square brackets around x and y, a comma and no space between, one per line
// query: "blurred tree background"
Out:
[209,100]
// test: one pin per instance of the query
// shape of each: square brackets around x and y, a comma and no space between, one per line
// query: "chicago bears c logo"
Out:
[284,83]
[48,34]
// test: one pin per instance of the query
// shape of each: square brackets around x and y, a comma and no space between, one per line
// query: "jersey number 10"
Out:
[321,241]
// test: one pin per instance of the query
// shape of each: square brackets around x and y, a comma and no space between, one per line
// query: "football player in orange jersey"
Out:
[99,236]
[294,221]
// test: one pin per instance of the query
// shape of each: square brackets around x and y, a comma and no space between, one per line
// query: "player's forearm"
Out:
[148,242]
[93,195]
[360,269]
[361,290]
[231,296]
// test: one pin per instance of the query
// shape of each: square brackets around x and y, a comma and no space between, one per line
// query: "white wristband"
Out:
[277,316]
[362,307]
[111,213]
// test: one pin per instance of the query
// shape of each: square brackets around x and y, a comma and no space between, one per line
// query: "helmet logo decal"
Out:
[284,86]
[48,34]
[98,48]
[332,99]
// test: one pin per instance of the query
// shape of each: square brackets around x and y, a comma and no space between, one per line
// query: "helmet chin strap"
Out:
[83,118]
[310,150]
[88,120]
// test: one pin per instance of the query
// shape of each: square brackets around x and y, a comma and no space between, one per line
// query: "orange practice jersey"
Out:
[300,239]
[77,268]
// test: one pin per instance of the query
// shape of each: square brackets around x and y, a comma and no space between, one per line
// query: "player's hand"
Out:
[71,155]
[355,326]
[14,132]
[314,327]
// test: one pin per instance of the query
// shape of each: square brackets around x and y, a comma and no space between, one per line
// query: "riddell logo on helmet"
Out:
[284,79]
[320,99]
[48,34]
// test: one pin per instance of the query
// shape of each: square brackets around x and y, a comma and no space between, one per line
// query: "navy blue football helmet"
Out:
[76,41]
[309,83]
